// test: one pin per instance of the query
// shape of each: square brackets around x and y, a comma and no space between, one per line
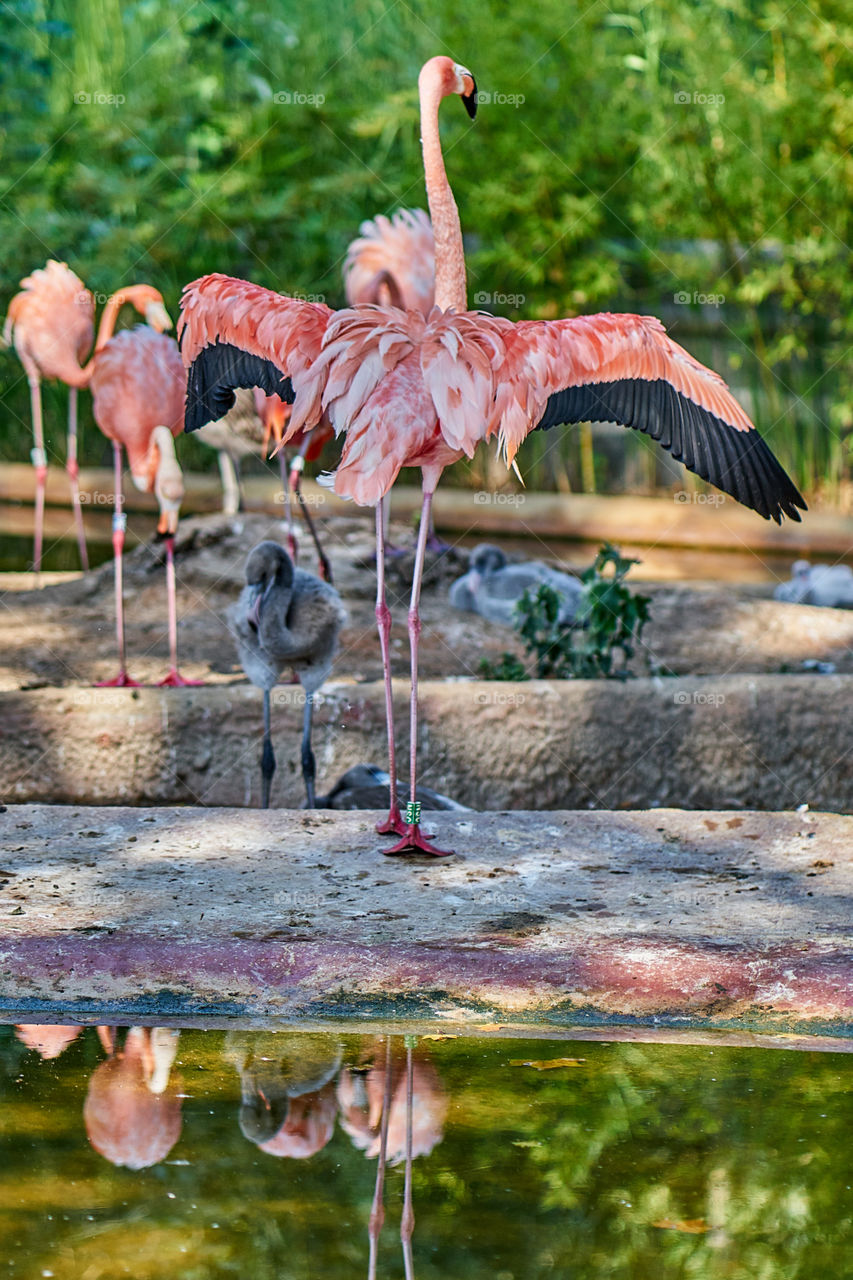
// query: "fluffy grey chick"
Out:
[828,585]
[493,588]
[286,617]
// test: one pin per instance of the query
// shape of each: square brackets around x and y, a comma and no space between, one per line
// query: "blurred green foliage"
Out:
[622,160]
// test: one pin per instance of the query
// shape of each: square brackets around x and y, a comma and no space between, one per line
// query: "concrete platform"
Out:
[662,923]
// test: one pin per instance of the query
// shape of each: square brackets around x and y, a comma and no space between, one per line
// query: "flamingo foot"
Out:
[121,681]
[414,841]
[393,824]
[174,680]
[325,569]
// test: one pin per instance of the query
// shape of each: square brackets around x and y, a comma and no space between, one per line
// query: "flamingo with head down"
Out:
[138,402]
[413,391]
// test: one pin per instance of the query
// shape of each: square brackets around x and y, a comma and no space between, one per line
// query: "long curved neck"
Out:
[106,329]
[450,285]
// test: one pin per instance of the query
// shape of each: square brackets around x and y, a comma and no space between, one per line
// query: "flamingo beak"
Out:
[469,97]
[259,595]
[157,317]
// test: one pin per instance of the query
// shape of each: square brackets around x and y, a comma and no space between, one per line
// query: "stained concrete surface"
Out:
[715,920]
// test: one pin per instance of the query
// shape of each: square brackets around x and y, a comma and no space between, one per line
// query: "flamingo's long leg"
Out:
[414,841]
[174,680]
[122,680]
[267,755]
[39,461]
[407,1222]
[284,469]
[297,467]
[73,472]
[394,822]
[309,768]
[230,484]
[377,1209]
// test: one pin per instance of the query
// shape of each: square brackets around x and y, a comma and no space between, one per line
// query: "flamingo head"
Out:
[148,301]
[168,481]
[268,566]
[450,77]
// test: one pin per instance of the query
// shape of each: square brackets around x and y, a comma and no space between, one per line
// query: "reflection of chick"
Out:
[287,1103]
[360,1096]
[47,1041]
[132,1113]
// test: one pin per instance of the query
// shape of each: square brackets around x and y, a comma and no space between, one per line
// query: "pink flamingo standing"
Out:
[410,391]
[52,323]
[138,388]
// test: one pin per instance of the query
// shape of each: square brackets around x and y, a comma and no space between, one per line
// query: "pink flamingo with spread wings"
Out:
[413,391]
[51,322]
[138,386]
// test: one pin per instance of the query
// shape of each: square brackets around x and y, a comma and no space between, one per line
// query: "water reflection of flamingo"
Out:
[47,1041]
[288,1104]
[132,1112]
[393,1112]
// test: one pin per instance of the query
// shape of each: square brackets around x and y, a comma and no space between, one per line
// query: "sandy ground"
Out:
[63,634]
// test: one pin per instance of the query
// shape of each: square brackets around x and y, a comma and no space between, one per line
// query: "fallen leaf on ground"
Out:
[549,1064]
[437,1037]
[690,1226]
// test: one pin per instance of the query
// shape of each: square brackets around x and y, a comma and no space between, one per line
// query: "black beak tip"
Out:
[470,100]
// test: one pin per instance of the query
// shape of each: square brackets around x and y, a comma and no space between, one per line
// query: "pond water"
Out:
[157,1153]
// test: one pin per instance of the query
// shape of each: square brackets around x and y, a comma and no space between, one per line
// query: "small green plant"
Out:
[608,627]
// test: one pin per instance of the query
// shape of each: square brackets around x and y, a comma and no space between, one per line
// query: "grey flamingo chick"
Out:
[493,588]
[286,617]
[827,585]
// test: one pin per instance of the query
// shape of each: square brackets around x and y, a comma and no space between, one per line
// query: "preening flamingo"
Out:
[138,402]
[286,618]
[51,322]
[409,391]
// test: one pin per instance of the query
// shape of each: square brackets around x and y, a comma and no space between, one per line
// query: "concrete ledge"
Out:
[698,742]
[736,922]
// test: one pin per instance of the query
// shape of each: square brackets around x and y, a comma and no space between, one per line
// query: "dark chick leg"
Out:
[296,487]
[407,1222]
[122,680]
[174,679]
[309,768]
[73,472]
[414,841]
[267,755]
[39,461]
[377,1209]
[394,822]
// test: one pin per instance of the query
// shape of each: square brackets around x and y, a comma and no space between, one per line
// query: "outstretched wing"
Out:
[236,334]
[625,369]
